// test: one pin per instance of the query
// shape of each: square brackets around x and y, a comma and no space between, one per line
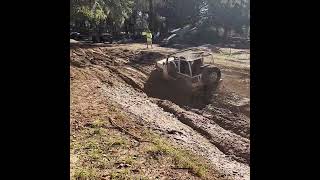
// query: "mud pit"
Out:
[169,90]
[219,132]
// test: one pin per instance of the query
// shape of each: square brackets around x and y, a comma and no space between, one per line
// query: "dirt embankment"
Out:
[219,132]
[122,148]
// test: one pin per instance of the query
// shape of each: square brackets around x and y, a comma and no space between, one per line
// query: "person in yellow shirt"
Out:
[149,38]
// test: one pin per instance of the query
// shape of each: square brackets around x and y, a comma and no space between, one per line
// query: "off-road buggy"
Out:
[188,71]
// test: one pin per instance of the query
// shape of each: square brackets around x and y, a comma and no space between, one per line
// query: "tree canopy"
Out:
[160,15]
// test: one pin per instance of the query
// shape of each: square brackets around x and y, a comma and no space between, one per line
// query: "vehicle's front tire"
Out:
[211,75]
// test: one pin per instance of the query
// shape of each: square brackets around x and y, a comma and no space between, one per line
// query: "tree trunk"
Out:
[151,16]
[96,34]
[133,21]
[226,31]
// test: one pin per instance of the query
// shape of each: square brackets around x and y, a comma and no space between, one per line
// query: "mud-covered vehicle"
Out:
[187,70]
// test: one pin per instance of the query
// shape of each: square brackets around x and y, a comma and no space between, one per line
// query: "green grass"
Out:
[129,160]
[86,174]
[92,145]
[95,154]
[123,174]
[117,141]
[98,123]
[181,158]
[96,146]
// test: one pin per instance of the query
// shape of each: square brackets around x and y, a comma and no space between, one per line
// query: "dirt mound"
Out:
[98,56]
[147,57]
[107,56]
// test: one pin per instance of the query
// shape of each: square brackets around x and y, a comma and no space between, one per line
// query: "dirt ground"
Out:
[108,80]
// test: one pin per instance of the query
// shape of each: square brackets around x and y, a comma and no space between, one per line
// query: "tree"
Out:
[99,12]
[150,7]
[161,15]
[229,14]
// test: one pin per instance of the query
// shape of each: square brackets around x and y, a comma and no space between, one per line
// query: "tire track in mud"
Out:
[226,141]
[127,79]
[238,123]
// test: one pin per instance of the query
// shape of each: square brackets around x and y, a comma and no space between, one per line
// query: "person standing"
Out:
[149,38]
